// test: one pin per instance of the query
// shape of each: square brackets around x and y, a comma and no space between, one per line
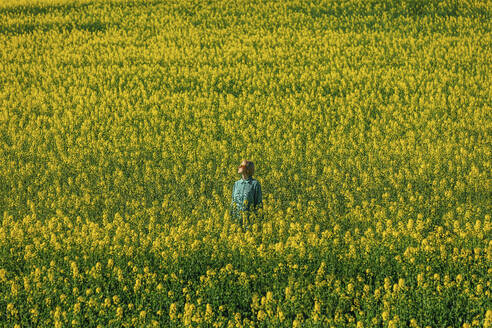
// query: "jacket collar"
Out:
[249,179]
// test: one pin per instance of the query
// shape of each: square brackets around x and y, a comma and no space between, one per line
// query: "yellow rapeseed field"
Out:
[122,124]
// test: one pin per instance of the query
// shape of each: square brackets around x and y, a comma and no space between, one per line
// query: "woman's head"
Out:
[246,167]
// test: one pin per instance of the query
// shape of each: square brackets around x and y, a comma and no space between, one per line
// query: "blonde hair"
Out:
[250,166]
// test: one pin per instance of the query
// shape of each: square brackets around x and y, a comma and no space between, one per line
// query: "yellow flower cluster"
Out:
[122,124]
[159,277]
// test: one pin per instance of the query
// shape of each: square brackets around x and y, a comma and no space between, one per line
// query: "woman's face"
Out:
[242,168]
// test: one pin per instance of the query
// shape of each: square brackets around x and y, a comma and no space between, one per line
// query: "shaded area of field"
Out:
[29,28]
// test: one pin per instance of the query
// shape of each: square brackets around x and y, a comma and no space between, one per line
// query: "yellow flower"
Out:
[350,288]
[261,315]
[3,274]
[11,308]
[488,319]
[280,315]
[420,278]
[76,308]
[173,312]
[110,263]
[377,293]
[208,312]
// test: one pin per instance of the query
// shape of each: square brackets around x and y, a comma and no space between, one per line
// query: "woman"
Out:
[246,194]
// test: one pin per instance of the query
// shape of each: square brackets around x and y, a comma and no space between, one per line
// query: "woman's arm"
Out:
[258,196]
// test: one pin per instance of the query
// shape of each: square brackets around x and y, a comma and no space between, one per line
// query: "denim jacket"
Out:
[246,197]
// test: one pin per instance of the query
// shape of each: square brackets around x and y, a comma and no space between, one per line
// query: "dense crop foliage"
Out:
[122,124]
